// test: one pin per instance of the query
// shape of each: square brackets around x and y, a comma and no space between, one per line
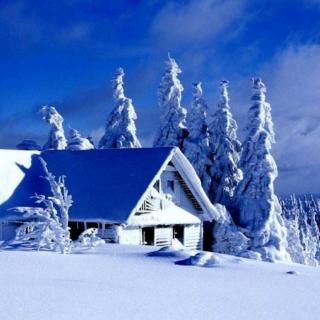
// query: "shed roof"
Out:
[105,184]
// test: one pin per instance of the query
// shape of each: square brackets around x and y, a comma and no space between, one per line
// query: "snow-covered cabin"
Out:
[143,196]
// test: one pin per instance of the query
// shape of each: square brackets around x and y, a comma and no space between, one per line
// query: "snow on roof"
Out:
[13,163]
[168,216]
[105,184]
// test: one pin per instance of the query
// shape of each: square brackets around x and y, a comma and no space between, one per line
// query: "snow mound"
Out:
[177,245]
[203,259]
[89,239]
[176,250]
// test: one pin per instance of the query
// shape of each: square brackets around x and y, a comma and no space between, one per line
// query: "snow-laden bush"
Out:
[57,139]
[228,238]
[258,208]
[46,226]
[196,146]
[28,145]
[172,131]
[89,239]
[77,142]
[120,131]
[205,259]
[225,152]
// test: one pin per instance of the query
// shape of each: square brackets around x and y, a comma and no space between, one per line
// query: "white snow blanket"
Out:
[123,282]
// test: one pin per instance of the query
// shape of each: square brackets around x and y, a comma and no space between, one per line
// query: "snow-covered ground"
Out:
[131,282]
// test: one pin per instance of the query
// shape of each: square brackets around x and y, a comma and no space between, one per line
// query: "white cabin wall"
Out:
[179,196]
[120,234]
[193,237]
[130,236]
[163,236]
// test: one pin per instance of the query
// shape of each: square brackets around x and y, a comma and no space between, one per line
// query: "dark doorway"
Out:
[76,228]
[178,232]
[208,235]
[148,236]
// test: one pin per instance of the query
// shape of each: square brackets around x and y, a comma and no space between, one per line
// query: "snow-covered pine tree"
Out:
[172,131]
[46,226]
[291,214]
[77,142]
[196,146]
[225,152]
[120,129]
[57,140]
[259,211]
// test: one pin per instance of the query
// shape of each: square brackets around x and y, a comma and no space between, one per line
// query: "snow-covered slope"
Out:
[127,282]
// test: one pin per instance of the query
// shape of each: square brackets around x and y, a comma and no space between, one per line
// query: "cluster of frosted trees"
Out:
[302,220]
[120,129]
[238,176]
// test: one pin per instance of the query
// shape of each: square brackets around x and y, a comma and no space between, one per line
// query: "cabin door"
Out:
[148,236]
[178,233]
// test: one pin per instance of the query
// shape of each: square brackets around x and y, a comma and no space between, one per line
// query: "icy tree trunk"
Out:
[172,129]
[196,146]
[120,129]
[57,140]
[225,152]
[60,195]
[259,211]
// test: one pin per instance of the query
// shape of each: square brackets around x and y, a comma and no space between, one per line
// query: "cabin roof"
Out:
[105,184]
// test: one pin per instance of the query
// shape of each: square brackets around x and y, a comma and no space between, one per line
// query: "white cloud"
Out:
[20,19]
[293,80]
[195,21]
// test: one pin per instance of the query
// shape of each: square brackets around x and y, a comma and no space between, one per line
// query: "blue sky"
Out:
[65,52]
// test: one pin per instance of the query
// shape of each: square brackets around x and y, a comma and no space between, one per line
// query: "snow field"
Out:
[126,282]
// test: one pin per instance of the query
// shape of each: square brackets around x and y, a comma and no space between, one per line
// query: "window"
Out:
[170,185]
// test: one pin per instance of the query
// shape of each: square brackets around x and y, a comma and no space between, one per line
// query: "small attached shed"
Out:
[146,196]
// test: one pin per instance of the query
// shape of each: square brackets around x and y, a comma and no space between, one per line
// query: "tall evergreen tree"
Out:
[172,129]
[120,129]
[57,139]
[196,145]
[225,151]
[259,211]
